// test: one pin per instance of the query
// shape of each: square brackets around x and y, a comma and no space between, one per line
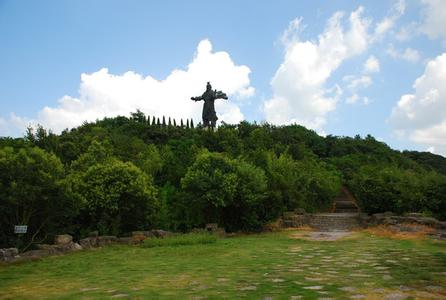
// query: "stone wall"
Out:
[350,221]
[64,243]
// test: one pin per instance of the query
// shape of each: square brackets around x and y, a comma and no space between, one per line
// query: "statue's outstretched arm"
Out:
[197,98]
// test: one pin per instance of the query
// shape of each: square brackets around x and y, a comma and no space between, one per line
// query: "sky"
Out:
[337,67]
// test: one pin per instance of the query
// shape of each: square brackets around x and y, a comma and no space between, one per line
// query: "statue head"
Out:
[208,86]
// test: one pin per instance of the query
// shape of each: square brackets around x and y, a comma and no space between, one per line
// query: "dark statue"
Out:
[209,96]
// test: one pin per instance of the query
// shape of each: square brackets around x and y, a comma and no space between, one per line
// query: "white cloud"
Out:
[9,126]
[352,99]
[421,116]
[104,94]
[353,85]
[434,19]
[371,65]
[388,22]
[409,54]
[299,92]
[356,83]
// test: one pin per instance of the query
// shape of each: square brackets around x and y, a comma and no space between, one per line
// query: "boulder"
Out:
[106,240]
[138,236]
[76,247]
[7,254]
[89,242]
[36,253]
[63,239]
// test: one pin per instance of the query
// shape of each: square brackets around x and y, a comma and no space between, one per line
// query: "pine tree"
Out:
[181,123]
[174,123]
[158,122]
[153,121]
[187,124]
[164,121]
[191,123]
[170,122]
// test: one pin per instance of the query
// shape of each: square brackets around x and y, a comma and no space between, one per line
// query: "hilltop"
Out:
[128,173]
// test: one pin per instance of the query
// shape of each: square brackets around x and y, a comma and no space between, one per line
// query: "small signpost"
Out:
[20,229]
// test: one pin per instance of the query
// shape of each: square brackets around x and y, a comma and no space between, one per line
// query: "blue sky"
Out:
[338,67]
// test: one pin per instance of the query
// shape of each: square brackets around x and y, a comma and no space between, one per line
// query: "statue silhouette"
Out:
[209,96]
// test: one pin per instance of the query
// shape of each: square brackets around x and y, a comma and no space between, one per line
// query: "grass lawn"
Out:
[270,265]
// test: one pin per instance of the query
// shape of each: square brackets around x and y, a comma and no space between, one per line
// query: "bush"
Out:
[181,240]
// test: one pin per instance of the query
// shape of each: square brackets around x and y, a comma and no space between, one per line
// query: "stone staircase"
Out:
[345,202]
[334,221]
[344,216]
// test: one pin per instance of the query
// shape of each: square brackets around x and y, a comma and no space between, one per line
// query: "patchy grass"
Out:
[254,266]
[181,240]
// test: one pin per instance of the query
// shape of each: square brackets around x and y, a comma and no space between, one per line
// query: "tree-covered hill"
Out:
[122,174]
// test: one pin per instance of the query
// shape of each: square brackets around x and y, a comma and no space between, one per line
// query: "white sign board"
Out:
[20,228]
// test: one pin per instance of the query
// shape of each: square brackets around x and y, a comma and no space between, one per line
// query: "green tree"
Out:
[224,190]
[31,194]
[116,197]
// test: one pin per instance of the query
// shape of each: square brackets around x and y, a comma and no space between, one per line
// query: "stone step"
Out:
[335,221]
[346,210]
[345,204]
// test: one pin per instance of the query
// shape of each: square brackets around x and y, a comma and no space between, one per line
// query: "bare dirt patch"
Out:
[419,232]
[323,235]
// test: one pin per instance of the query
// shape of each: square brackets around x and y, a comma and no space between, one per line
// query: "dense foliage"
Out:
[122,174]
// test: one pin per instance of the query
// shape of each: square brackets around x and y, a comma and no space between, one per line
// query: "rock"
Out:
[395,296]
[315,287]
[415,215]
[138,236]
[106,240]
[148,234]
[159,233]
[428,221]
[36,253]
[7,254]
[89,242]
[63,239]
[76,247]
[43,246]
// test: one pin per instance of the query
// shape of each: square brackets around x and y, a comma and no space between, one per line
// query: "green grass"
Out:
[181,240]
[253,267]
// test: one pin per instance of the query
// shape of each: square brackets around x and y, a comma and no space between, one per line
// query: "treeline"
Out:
[122,174]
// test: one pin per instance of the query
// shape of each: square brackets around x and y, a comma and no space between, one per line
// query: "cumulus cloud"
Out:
[299,92]
[434,19]
[104,94]
[408,54]
[371,65]
[421,116]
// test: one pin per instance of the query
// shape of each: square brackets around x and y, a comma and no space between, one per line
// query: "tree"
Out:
[224,190]
[116,197]
[31,194]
